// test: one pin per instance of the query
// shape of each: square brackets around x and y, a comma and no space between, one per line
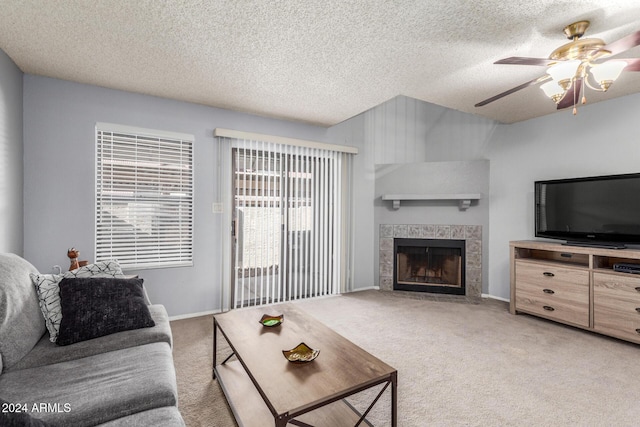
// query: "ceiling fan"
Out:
[573,65]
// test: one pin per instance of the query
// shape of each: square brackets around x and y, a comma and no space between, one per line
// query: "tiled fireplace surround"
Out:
[471,234]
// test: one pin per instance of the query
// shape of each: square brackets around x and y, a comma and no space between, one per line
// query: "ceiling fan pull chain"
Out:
[575,109]
[584,96]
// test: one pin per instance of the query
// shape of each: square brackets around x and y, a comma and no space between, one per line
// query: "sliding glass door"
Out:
[288,222]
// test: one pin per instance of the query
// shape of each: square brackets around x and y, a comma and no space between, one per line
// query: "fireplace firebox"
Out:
[429,265]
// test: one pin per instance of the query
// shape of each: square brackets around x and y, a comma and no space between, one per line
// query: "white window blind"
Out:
[144,197]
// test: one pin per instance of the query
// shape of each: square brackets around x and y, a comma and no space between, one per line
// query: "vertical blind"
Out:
[144,197]
[291,214]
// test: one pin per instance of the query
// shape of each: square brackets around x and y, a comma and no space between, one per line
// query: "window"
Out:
[144,197]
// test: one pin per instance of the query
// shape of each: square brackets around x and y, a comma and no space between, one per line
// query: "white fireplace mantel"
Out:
[464,199]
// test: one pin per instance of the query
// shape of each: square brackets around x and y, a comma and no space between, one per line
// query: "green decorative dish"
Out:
[302,353]
[271,321]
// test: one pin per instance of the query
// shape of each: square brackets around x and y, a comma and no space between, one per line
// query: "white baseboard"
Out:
[368,288]
[495,297]
[190,315]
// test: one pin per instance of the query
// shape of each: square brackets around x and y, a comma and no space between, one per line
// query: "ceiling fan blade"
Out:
[633,64]
[572,97]
[521,60]
[625,43]
[514,89]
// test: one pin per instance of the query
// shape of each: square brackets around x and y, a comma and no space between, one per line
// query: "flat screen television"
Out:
[591,211]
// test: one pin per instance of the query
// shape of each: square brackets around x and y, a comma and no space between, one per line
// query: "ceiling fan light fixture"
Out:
[553,90]
[605,74]
[574,67]
[563,72]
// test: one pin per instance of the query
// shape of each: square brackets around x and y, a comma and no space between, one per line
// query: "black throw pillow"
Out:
[93,307]
[17,415]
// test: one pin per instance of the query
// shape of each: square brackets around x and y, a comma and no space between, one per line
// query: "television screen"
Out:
[595,209]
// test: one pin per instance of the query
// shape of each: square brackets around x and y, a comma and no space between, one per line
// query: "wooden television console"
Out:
[577,286]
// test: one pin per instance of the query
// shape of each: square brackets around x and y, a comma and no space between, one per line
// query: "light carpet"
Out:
[459,364]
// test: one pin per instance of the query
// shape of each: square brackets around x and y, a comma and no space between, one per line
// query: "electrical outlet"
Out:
[217,207]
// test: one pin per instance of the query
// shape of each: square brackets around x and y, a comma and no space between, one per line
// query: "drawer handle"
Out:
[549,274]
[638,288]
[548,291]
[638,309]
[638,330]
[548,308]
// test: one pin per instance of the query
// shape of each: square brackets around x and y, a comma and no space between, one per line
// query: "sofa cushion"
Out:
[47,287]
[95,307]
[169,416]
[98,388]
[21,323]
[47,353]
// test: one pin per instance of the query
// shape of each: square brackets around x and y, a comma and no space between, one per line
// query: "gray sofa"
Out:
[123,379]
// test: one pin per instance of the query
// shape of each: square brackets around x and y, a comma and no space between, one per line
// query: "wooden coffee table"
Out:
[263,388]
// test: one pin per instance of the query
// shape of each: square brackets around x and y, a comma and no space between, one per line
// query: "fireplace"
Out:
[429,265]
[472,252]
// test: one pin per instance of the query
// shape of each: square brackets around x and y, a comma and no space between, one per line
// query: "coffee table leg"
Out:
[281,421]
[394,399]
[215,340]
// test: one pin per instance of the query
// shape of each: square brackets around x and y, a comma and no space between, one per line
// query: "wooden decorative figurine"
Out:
[73,255]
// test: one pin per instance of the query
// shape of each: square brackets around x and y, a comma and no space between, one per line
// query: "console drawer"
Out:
[553,291]
[617,325]
[616,305]
[616,289]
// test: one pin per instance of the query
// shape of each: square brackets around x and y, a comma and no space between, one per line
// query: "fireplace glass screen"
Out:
[426,265]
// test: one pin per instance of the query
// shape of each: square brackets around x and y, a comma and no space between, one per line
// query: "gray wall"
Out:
[59,120]
[59,183]
[351,132]
[406,130]
[468,176]
[602,139]
[426,138]
[11,176]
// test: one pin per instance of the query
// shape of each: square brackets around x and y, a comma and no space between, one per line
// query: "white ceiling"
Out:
[316,61]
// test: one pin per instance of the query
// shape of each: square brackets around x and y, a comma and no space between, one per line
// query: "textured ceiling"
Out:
[316,61]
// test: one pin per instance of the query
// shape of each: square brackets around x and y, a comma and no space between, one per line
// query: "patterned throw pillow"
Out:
[49,299]
[48,289]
